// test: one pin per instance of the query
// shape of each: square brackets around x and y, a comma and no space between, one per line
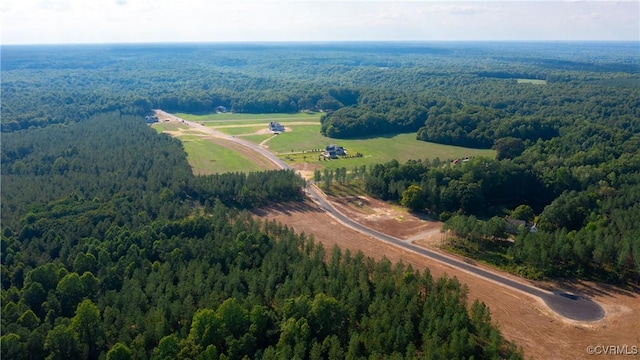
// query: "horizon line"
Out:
[228,42]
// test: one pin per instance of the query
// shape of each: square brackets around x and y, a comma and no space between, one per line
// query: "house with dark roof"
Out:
[151,119]
[275,126]
[333,151]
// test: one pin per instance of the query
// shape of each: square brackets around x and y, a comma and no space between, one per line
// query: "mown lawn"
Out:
[206,157]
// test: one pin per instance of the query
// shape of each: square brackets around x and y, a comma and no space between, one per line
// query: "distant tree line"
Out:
[391,89]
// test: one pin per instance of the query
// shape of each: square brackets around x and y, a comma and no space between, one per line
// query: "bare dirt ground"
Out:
[305,169]
[541,333]
[391,220]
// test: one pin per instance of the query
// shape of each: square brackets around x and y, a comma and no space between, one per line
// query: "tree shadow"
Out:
[423,215]
[305,206]
[592,289]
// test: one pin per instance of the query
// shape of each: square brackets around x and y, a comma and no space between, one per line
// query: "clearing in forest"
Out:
[301,143]
[532,81]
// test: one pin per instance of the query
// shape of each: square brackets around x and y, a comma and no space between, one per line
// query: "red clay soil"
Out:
[541,333]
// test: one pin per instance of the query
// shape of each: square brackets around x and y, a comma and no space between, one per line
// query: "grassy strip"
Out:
[257,138]
[168,126]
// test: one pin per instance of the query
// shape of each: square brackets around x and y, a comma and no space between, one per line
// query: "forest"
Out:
[393,86]
[585,218]
[112,248]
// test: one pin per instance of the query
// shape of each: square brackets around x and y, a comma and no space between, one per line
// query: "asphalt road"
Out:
[572,306]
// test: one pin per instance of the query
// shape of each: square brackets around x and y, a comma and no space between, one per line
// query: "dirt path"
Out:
[264,142]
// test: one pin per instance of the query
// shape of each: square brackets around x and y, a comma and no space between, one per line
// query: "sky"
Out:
[142,21]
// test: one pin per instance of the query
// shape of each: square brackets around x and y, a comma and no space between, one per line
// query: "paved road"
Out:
[572,306]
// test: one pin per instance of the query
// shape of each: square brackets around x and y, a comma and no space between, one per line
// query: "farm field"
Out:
[303,135]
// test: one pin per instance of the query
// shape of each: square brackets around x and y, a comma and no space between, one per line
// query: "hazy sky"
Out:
[108,21]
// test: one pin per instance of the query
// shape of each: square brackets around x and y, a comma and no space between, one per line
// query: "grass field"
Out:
[532,81]
[206,157]
[168,126]
[401,147]
[257,138]
[295,146]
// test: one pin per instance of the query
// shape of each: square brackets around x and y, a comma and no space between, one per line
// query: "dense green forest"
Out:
[113,156]
[112,249]
[586,217]
[390,86]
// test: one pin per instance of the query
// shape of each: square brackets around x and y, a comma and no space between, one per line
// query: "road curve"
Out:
[571,306]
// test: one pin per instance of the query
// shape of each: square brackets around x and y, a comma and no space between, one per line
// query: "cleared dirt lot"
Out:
[541,333]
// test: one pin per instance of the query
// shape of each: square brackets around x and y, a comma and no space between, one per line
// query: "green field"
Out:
[401,147]
[257,138]
[206,157]
[168,126]
[296,146]
[297,143]
[532,81]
